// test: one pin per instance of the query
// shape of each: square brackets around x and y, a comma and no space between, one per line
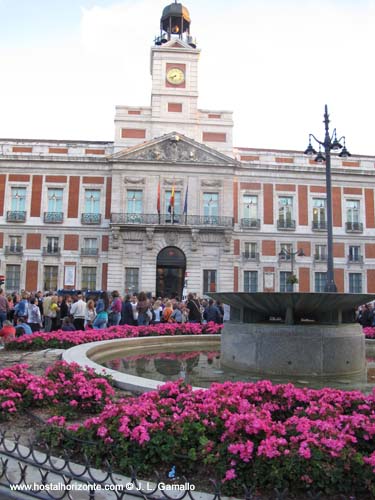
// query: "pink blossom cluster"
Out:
[64,340]
[273,434]
[369,332]
[64,384]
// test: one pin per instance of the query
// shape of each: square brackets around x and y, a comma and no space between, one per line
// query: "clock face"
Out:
[175,76]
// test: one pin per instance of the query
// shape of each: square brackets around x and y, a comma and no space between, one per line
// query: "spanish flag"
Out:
[171,202]
[158,199]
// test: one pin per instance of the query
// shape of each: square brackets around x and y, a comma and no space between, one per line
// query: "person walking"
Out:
[4,308]
[78,311]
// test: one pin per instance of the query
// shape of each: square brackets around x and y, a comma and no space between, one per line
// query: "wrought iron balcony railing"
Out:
[51,251]
[250,223]
[320,257]
[254,256]
[91,218]
[53,217]
[89,252]
[355,259]
[16,216]
[286,225]
[354,227]
[176,220]
[319,225]
[13,250]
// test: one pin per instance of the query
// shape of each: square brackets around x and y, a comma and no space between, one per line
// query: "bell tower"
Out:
[174,71]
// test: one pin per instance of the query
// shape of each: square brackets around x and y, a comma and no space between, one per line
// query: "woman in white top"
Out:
[90,314]
[157,311]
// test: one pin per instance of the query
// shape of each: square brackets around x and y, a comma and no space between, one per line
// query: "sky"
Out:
[66,64]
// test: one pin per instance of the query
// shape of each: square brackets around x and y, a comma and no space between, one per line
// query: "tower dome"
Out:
[175,22]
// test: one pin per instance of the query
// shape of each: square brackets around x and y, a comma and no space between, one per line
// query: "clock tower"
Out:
[174,94]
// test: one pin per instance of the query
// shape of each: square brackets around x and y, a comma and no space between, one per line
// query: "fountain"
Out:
[312,334]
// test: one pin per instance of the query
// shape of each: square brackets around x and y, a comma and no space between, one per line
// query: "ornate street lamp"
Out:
[329,144]
[285,253]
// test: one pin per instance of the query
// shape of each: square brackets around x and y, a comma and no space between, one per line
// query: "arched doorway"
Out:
[170,272]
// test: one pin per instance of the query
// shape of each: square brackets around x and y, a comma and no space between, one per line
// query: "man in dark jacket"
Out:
[127,317]
[212,313]
[192,305]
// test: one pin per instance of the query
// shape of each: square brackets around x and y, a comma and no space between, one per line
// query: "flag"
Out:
[158,199]
[186,201]
[171,202]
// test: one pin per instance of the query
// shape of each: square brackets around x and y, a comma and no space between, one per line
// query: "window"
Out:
[13,277]
[250,206]
[319,213]
[354,253]
[352,211]
[88,280]
[134,202]
[18,202]
[320,252]
[209,281]
[355,283]
[250,250]
[15,243]
[50,277]
[211,206]
[250,281]
[286,250]
[55,199]
[92,201]
[285,211]
[52,244]
[90,246]
[285,286]
[131,280]
[320,282]
[177,202]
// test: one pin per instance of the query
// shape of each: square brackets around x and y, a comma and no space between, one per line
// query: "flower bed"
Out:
[64,340]
[65,387]
[269,436]
[369,332]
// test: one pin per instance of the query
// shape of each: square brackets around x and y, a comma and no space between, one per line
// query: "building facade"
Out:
[172,206]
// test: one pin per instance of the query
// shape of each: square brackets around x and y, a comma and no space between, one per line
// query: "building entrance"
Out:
[170,272]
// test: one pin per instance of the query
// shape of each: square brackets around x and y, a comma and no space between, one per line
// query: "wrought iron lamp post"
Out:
[329,144]
[287,253]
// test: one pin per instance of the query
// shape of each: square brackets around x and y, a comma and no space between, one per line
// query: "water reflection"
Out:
[202,368]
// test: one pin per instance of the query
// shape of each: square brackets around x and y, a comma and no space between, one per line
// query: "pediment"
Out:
[174,148]
[176,43]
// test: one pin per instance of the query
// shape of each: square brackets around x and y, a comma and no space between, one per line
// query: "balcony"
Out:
[355,259]
[284,257]
[319,225]
[51,252]
[16,216]
[354,227]
[53,217]
[250,223]
[250,256]
[89,252]
[286,225]
[168,220]
[320,257]
[13,250]
[91,219]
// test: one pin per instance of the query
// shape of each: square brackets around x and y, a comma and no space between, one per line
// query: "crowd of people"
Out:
[366,315]
[26,312]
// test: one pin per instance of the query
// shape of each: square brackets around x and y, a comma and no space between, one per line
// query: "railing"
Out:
[284,257]
[250,223]
[91,218]
[53,217]
[16,216]
[354,227]
[13,250]
[89,252]
[320,258]
[176,220]
[287,225]
[54,252]
[250,256]
[355,259]
[319,225]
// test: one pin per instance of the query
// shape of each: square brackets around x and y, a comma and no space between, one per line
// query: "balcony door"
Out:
[170,272]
